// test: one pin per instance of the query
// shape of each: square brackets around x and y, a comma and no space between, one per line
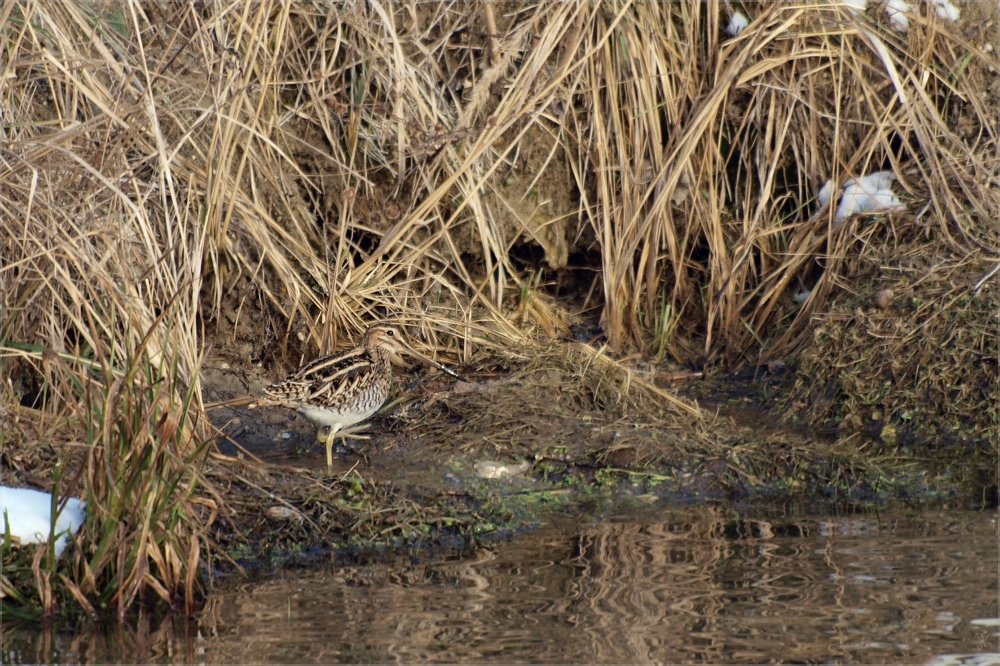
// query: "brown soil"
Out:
[575,428]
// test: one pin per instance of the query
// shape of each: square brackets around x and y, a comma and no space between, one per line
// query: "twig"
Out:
[986,277]
[491,28]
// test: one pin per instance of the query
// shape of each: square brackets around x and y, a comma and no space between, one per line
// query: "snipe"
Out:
[341,390]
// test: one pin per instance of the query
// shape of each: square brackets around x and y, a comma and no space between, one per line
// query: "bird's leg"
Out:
[323,433]
[343,433]
[354,430]
[329,445]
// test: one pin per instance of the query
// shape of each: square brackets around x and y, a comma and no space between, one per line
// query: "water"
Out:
[693,585]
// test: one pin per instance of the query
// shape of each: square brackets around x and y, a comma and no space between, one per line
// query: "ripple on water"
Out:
[679,585]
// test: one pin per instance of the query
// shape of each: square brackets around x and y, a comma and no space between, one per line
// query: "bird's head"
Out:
[388,339]
[385,338]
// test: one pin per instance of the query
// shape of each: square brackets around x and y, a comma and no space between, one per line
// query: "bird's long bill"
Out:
[423,359]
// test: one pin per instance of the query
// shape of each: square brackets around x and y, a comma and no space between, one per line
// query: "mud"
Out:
[418,482]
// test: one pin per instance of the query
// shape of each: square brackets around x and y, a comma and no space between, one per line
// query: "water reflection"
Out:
[678,586]
[170,640]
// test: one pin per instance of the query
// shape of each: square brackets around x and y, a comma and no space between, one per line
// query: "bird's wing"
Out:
[327,375]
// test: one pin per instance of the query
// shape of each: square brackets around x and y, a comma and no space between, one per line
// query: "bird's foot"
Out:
[344,436]
[323,434]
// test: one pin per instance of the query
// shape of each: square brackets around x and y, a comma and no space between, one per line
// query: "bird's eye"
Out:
[390,332]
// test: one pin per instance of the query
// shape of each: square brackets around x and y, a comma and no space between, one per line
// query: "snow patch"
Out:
[855,6]
[947,10]
[897,11]
[28,515]
[737,23]
[868,193]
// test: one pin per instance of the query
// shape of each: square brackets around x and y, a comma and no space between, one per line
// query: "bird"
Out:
[344,389]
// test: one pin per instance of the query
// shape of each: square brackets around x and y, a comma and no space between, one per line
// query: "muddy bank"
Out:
[451,463]
[451,466]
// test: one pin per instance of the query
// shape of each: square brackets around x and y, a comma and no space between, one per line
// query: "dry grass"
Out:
[128,449]
[565,396]
[285,172]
